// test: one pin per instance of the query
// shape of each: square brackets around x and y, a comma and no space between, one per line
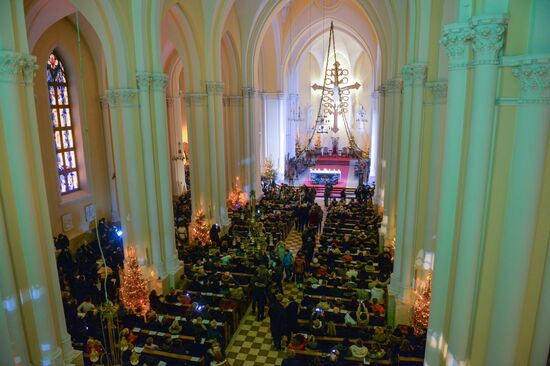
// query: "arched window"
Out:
[62,124]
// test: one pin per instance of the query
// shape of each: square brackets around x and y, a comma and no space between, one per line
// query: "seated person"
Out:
[376,352]
[318,327]
[323,304]
[312,344]
[86,306]
[149,344]
[297,342]
[376,306]
[380,336]
[175,327]
[362,315]
[358,349]
[171,297]
[213,332]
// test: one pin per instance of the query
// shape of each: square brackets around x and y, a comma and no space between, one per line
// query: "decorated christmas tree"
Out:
[269,172]
[420,314]
[199,228]
[134,288]
[237,198]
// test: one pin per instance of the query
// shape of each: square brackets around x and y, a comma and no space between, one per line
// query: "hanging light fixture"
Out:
[335,97]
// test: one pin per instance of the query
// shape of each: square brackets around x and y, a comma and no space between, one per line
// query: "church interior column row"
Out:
[456,39]
[414,76]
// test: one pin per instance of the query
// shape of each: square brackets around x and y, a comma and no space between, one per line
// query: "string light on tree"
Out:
[134,288]
[237,198]
[420,314]
[269,172]
[200,229]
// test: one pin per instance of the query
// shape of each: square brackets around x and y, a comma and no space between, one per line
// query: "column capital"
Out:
[455,39]
[232,100]
[248,91]
[195,99]
[379,91]
[159,81]
[438,89]
[122,97]
[17,67]
[534,78]
[143,79]
[392,86]
[214,87]
[414,74]
[488,38]
[170,100]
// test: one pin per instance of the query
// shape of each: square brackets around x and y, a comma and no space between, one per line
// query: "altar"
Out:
[324,176]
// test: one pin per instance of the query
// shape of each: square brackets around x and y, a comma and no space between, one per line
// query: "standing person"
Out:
[277,276]
[215,234]
[299,268]
[280,250]
[313,217]
[277,320]
[292,310]
[288,261]
[326,194]
[259,297]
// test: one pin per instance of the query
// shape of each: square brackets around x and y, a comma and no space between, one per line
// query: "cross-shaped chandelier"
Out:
[335,92]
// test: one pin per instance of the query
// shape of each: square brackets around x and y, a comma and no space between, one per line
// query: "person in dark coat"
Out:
[277,320]
[291,311]
[258,296]
[215,234]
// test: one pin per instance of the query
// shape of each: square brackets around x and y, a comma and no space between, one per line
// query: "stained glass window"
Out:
[60,118]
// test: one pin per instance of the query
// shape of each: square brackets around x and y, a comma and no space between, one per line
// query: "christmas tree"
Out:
[237,198]
[134,289]
[421,309]
[199,228]
[269,172]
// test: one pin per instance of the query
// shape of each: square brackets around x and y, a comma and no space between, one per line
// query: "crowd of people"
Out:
[339,268]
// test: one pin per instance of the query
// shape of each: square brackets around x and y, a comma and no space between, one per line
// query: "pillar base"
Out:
[169,281]
[75,358]
[402,313]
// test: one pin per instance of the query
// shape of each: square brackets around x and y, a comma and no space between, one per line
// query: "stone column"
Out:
[528,159]
[414,76]
[174,105]
[214,90]
[438,89]
[115,215]
[487,43]
[162,164]
[25,220]
[394,89]
[14,347]
[455,39]
[146,132]
[234,146]
[199,158]
[124,110]
[250,135]
[376,137]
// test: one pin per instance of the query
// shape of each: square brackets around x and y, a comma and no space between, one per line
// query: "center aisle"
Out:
[252,344]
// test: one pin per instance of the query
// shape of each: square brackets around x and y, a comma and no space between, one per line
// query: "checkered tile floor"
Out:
[252,344]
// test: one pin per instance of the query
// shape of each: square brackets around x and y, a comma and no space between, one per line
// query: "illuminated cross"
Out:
[339,94]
